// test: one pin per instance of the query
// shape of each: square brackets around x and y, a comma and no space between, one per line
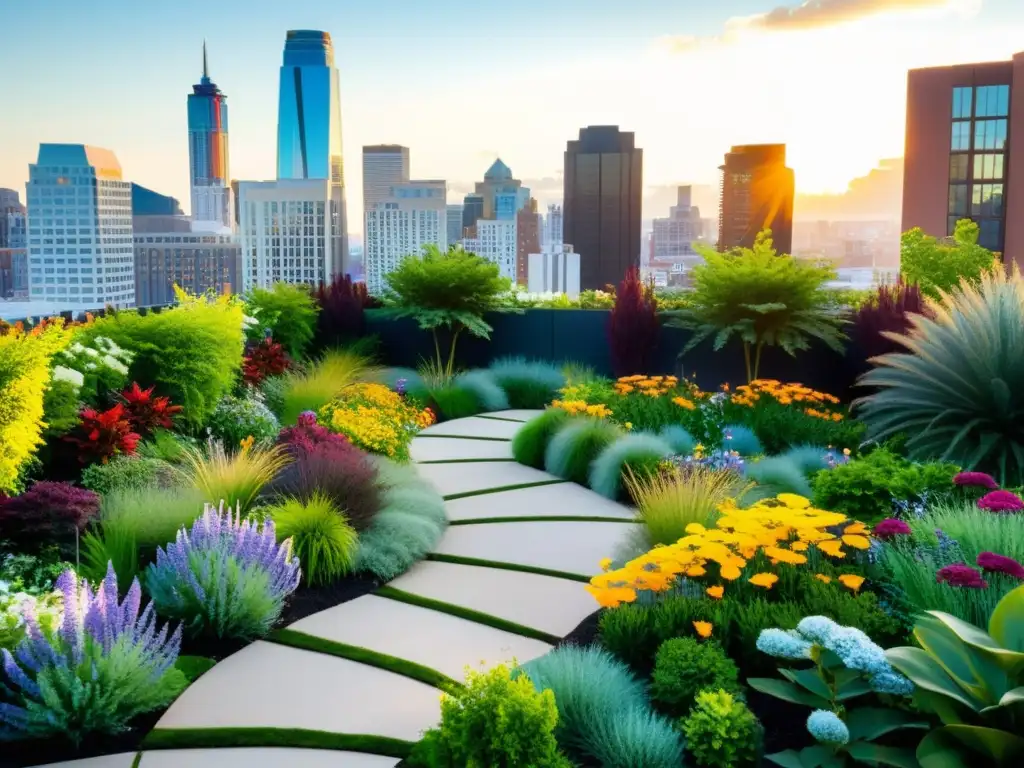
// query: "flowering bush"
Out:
[780,530]
[46,608]
[226,577]
[375,419]
[98,367]
[580,408]
[237,418]
[1001,501]
[101,436]
[147,413]
[47,513]
[104,665]
[262,360]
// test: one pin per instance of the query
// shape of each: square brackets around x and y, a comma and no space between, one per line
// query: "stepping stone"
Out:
[447,644]
[519,415]
[274,686]
[559,545]
[541,501]
[474,426]
[124,760]
[263,757]
[455,448]
[450,479]
[552,605]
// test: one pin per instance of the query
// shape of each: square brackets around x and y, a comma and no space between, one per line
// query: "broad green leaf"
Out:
[786,691]
[1003,747]
[817,756]
[940,750]
[863,752]
[869,723]
[809,679]
[851,689]
[979,676]
[926,673]
[787,759]
[1006,624]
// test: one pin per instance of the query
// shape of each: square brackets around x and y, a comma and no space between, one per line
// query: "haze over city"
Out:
[461,87]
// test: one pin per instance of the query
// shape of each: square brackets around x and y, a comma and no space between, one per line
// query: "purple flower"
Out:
[400,386]
[1001,501]
[976,479]
[890,528]
[993,563]
[960,575]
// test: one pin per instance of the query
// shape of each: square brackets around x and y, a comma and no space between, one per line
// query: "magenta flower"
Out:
[1001,501]
[977,479]
[960,575]
[993,563]
[890,528]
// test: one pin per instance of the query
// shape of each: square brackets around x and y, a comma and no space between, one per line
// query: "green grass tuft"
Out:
[639,454]
[321,537]
[576,445]
[531,440]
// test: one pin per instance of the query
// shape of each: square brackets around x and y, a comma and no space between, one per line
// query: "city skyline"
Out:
[619,67]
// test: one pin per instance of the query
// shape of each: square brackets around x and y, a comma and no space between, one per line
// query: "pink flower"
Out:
[979,479]
[1001,501]
[993,563]
[960,575]
[890,528]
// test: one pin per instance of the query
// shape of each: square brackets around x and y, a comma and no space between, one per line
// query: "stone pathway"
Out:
[505,583]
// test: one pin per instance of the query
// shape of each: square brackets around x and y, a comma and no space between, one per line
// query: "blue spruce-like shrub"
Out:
[485,389]
[640,453]
[742,440]
[682,442]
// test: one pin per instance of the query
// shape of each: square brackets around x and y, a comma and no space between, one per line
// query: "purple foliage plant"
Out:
[886,313]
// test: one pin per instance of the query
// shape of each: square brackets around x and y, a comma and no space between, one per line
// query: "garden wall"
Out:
[580,336]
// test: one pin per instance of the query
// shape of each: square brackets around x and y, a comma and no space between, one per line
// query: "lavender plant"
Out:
[226,577]
[104,665]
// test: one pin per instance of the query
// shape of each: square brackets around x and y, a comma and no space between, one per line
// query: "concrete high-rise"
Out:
[412,215]
[209,173]
[81,253]
[601,204]
[13,254]
[551,234]
[965,152]
[527,239]
[757,193]
[454,223]
[495,241]
[383,166]
[672,239]
[309,128]
[196,261]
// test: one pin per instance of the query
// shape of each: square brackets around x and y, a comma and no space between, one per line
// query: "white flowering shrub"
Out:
[97,368]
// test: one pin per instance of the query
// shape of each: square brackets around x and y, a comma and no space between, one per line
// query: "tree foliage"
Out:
[764,298]
[938,265]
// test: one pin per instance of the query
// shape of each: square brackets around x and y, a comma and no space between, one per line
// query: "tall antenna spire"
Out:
[206,72]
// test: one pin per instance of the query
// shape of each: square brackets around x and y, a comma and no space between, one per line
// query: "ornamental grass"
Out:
[236,477]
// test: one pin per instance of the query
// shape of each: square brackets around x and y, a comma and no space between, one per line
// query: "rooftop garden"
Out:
[804,579]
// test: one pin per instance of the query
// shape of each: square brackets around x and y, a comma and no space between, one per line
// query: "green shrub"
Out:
[484,385]
[603,712]
[575,446]
[98,367]
[682,442]
[312,389]
[721,732]
[288,311]
[779,427]
[775,475]
[530,442]
[60,407]
[683,667]
[495,722]
[529,384]
[632,455]
[165,445]
[123,473]
[741,439]
[321,537]
[273,389]
[237,418]
[865,488]
[455,401]
[191,353]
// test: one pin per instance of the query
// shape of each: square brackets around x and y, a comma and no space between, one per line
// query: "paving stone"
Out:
[474,426]
[454,448]
[552,605]
[519,414]
[434,639]
[123,760]
[451,479]
[540,501]
[259,757]
[575,547]
[279,687]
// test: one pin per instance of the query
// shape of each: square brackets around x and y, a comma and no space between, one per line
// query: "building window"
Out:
[961,141]
[989,134]
[987,167]
[993,101]
[962,103]
[958,167]
[989,235]
[987,200]
[957,200]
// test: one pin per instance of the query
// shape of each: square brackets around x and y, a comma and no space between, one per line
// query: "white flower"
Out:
[60,373]
[90,366]
[114,364]
[91,352]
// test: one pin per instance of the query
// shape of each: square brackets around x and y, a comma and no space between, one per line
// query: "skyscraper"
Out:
[454,224]
[383,166]
[603,194]
[965,152]
[527,239]
[757,194]
[672,238]
[309,127]
[551,234]
[208,152]
[13,256]
[412,215]
[81,252]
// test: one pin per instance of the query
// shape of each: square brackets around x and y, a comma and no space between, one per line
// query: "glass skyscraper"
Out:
[208,152]
[309,124]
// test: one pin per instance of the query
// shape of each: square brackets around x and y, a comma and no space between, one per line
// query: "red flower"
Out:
[979,479]
[960,575]
[1001,501]
[890,528]
[993,563]
[262,360]
[106,434]
[147,413]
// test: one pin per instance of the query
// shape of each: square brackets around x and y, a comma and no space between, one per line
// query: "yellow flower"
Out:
[831,547]
[716,592]
[730,572]
[766,580]
[823,578]
[606,564]
[628,425]
[784,556]
[247,443]
[703,628]
[846,451]
[857,542]
[793,500]
[851,581]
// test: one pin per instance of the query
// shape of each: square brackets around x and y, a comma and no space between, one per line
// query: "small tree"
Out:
[764,298]
[447,289]
[633,325]
[938,265]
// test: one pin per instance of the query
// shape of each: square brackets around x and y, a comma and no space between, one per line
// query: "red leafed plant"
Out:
[342,317]
[264,359]
[633,326]
[146,413]
[100,436]
[47,513]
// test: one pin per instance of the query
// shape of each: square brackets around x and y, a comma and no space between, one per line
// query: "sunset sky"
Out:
[462,82]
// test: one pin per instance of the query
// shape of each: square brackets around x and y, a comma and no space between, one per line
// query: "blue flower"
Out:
[827,728]
[892,683]
[783,645]
[817,629]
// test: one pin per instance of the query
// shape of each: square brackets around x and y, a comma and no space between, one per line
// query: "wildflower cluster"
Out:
[580,408]
[816,404]
[652,386]
[781,530]
[376,419]
[719,459]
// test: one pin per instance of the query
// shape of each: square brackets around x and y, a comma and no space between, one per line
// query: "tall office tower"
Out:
[383,166]
[309,129]
[285,232]
[472,212]
[454,224]
[501,195]
[413,215]
[527,239]
[495,241]
[10,206]
[196,261]
[13,256]
[965,152]
[208,153]
[672,238]
[603,194]
[81,252]
[551,233]
[757,194]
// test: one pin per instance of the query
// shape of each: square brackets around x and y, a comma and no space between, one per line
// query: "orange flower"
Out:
[730,572]
[856,541]
[831,547]
[823,578]
[716,592]
[703,628]
[851,581]
[766,580]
